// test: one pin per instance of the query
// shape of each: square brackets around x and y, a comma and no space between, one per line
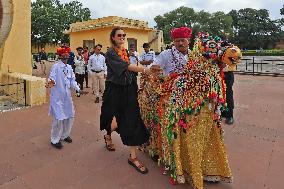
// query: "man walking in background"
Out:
[71,61]
[79,67]
[86,55]
[97,69]
[229,79]
[42,57]
[147,57]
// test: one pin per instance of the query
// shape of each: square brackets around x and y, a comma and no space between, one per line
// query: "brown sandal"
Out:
[108,142]
[142,148]
[139,167]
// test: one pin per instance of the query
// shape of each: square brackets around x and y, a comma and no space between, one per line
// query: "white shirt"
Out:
[61,104]
[147,56]
[80,64]
[171,60]
[97,63]
[133,59]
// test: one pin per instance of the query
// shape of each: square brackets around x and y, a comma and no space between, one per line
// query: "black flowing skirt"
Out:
[121,101]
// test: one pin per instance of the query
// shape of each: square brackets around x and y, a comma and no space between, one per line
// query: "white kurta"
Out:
[171,60]
[61,104]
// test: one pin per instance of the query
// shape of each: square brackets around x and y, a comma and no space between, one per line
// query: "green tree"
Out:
[50,18]
[182,16]
[281,21]
[254,29]
[220,24]
[217,23]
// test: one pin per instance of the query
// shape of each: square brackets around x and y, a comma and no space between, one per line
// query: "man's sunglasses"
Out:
[121,35]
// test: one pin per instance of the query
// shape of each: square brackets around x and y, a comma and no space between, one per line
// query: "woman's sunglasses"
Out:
[121,35]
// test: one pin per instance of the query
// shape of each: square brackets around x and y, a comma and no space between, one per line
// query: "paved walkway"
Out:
[254,143]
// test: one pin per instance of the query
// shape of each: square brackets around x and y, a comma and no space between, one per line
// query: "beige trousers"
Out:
[43,67]
[98,83]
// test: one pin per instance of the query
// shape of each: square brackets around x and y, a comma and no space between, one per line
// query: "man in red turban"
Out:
[181,37]
[63,49]
[179,139]
[61,80]
[169,61]
[63,53]
[174,59]
[182,32]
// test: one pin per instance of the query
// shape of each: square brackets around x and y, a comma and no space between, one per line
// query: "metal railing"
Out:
[262,66]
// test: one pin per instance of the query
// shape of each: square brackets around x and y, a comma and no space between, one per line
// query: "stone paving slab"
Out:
[254,143]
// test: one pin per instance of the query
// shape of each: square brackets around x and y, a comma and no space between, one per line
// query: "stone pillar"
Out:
[6,18]
[15,21]
[1,13]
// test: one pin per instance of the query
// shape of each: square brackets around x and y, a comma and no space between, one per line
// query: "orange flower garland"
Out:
[123,54]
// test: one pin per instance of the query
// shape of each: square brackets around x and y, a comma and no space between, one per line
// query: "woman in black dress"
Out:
[120,100]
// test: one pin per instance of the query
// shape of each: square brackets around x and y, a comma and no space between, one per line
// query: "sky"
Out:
[147,9]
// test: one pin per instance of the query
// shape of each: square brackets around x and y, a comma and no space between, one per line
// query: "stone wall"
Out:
[17,48]
[15,55]
[156,40]
[24,89]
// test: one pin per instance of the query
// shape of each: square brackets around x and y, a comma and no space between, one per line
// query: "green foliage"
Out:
[281,21]
[248,28]
[216,24]
[50,18]
[253,29]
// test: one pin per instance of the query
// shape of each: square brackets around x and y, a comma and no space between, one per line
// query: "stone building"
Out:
[92,32]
